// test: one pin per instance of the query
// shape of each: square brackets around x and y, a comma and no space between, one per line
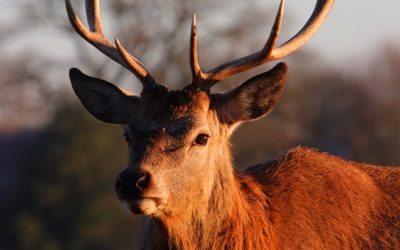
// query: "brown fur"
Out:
[319,201]
[180,171]
[195,199]
[303,200]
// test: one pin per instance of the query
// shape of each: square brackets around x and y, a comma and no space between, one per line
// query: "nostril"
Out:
[143,181]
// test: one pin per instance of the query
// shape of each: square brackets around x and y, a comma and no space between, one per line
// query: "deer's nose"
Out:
[130,185]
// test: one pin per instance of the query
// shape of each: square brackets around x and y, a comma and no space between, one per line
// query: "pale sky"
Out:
[353,28]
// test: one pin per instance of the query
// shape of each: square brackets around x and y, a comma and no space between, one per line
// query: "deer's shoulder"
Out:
[314,191]
[297,159]
[307,168]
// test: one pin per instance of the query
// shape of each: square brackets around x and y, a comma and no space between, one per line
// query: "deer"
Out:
[180,175]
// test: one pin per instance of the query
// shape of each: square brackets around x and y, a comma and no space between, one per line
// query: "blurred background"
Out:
[58,164]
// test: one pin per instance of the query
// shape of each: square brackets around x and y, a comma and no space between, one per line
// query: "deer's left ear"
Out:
[253,99]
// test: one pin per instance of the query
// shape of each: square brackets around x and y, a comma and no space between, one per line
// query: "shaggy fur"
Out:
[319,201]
[196,200]
[303,200]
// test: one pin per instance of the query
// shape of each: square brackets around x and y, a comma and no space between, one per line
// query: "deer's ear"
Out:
[102,99]
[254,98]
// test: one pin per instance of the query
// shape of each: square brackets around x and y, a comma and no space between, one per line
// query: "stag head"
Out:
[179,140]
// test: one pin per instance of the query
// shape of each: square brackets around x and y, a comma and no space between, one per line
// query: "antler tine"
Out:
[94,35]
[93,16]
[198,76]
[268,52]
[194,60]
[134,63]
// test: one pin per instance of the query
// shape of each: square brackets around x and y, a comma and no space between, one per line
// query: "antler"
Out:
[268,53]
[95,36]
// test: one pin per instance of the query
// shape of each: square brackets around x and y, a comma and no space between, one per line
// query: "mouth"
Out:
[143,205]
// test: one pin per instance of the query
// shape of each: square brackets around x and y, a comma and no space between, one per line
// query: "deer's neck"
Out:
[236,216]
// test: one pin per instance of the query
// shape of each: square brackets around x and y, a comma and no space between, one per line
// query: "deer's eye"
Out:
[201,139]
[127,139]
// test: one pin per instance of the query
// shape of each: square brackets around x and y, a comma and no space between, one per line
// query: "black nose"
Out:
[130,185]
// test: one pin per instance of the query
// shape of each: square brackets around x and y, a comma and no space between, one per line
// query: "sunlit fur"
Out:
[319,201]
[303,200]
[210,205]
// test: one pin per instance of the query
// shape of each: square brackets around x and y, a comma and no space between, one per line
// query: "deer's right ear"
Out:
[102,99]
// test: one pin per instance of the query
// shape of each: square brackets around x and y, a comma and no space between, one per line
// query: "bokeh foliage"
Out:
[65,197]
[57,178]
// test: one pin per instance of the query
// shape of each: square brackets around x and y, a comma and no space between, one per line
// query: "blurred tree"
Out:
[56,181]
[47,202]
[65,199]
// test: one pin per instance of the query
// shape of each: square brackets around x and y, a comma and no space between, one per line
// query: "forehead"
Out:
[176,111]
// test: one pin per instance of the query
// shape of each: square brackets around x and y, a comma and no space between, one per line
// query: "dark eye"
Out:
[126,137]
[201,139]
